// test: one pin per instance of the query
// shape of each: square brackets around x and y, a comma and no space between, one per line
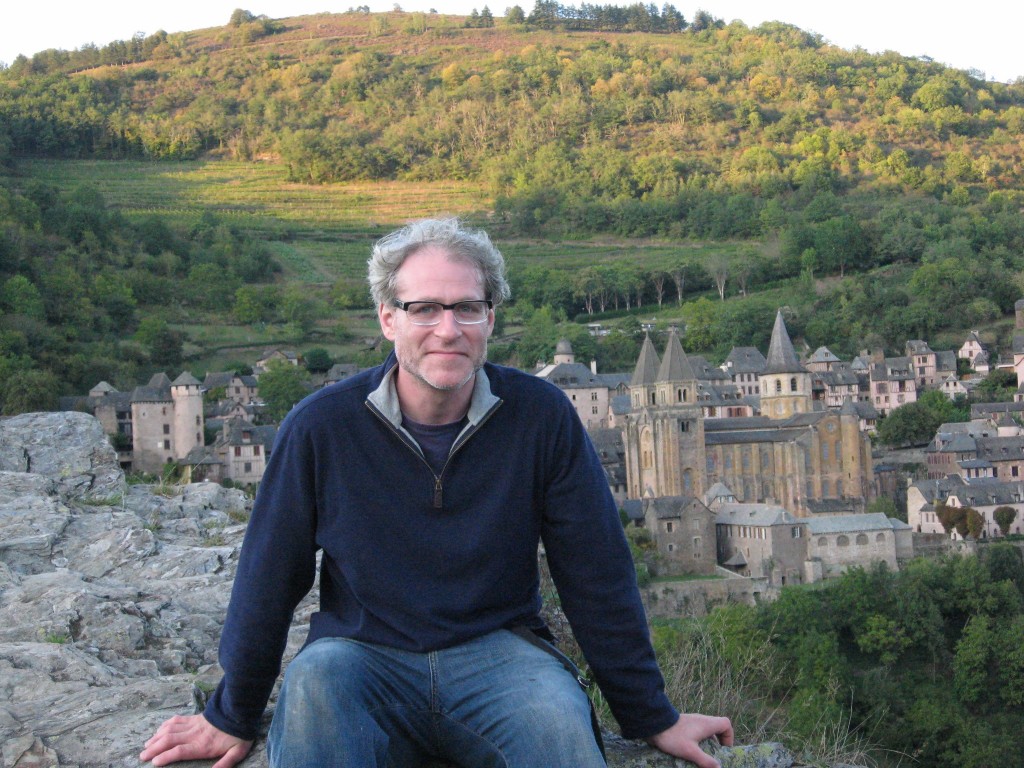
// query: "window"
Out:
[792,384]
[167,445]
[669,527]
[880,537]
[671,547]
[199,420]
[593,395]
[796,531]
[593,409]
[167,429]
[248,467]
[238,450]
[822,541]
[843,541]
[862,539]
[778,386]
[255,450]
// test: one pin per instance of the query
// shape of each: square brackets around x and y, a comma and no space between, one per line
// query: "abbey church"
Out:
[797,455]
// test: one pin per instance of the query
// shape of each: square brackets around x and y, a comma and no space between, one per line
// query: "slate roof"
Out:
[186,379]
[753,514]
[707,372]
[675,366]
[745,360]
[823,355]
[671,507]
[157,390]
[647,364]
[870,521]
[781,355]
[893,369]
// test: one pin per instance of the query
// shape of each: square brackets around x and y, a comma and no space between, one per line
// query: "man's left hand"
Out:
[683,739]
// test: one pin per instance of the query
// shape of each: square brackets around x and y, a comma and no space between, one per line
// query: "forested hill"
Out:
[868,193]
[553,103]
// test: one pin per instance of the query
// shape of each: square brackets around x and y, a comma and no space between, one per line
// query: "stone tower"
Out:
[186,393]
[785,383]
[564,353]
[664,432]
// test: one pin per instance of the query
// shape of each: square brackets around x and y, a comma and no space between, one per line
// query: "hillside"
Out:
[189,198]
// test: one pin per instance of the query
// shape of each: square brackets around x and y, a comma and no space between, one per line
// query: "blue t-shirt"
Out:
[435,440]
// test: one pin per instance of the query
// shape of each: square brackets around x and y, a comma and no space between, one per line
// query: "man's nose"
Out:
[448,328]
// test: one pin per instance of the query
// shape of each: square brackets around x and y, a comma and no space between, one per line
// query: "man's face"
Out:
[442,357]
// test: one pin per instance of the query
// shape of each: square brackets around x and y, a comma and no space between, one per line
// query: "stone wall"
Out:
[697,597]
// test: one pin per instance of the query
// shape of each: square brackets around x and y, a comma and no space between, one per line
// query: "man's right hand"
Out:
[192,737]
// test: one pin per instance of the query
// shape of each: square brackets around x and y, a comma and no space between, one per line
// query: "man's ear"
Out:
[386,315]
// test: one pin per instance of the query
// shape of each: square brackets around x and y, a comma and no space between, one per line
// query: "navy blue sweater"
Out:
[420,561]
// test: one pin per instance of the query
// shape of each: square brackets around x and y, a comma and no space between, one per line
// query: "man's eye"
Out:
[424,310]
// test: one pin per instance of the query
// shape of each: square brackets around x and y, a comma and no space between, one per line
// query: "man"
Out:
[428,483]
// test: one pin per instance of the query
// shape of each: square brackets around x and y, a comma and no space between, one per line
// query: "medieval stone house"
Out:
[167,421]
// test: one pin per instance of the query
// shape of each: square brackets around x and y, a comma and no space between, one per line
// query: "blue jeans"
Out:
[493,702]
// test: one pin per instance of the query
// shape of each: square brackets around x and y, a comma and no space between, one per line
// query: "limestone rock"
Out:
[69,448]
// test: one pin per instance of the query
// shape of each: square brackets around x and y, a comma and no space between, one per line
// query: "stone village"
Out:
[761,468]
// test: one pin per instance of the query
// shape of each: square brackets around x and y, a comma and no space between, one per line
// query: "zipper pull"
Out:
[437,493]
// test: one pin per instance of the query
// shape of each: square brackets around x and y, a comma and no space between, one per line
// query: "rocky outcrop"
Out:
[112,598]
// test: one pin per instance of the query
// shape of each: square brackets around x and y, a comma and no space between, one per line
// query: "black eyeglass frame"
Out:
[404,306]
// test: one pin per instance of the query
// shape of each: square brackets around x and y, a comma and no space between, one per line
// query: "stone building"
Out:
[788,458]
[237,387]
[844,541]
[761,541]
[589,392]
[167,421]
[684,532]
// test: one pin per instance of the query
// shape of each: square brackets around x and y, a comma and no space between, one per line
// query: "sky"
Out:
[983,36]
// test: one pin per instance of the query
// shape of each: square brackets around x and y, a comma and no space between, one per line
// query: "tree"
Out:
[515,15]
[24,391]
[718,266]
[164,343]
[975,522]
[915,423]
[318,360]
[1004,517]
[20,296]
[281,387]
[886,506]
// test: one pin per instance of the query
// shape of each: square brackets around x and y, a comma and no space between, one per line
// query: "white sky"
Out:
[983,35]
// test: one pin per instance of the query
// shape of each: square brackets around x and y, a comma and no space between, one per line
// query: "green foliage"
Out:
[1004,517]
[886,506]
[915,423]
[930,655]
[318,360]
[282,387]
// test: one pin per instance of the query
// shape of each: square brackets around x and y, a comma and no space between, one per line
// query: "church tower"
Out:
[664,431]
[785,383]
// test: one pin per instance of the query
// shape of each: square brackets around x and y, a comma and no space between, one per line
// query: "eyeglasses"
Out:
[429,312]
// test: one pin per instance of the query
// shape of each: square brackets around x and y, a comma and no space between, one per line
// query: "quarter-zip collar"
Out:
[384,400]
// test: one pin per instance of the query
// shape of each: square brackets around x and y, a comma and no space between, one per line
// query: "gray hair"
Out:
[471,246]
